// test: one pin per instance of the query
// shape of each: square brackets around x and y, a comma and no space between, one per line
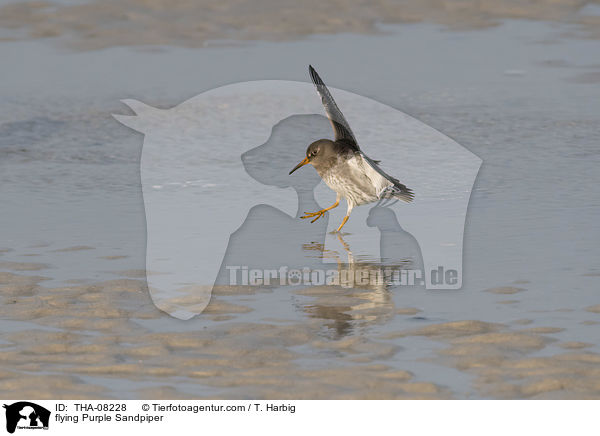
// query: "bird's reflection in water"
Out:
[361,296]
[357,298]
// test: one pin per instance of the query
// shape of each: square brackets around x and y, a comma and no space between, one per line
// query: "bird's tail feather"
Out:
[405,195]
[399,191]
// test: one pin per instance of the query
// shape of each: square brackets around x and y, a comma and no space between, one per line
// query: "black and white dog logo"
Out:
[26,415]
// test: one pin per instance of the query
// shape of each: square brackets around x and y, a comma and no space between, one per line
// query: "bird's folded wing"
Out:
[340,125]
[396,190]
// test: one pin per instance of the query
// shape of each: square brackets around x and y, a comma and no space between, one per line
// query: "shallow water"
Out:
[523,96]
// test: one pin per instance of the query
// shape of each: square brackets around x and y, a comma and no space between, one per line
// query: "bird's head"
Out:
[316,153]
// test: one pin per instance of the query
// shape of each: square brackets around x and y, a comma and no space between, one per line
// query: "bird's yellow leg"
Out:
[343,222]
[321,212]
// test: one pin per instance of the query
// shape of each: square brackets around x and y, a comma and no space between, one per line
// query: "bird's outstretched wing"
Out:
[340,125]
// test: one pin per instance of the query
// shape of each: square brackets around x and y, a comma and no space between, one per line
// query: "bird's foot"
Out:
[315,215]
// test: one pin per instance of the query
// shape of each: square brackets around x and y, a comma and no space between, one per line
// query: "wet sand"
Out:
[99,340]
[100,24]
[93,331]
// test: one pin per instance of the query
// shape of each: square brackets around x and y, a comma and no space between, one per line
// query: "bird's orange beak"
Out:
[301,164]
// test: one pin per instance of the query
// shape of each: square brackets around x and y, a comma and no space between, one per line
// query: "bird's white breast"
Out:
[355,180]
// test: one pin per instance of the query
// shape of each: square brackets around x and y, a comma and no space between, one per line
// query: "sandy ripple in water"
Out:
[99,24]
[91,339]
[499,358]
[90,331]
